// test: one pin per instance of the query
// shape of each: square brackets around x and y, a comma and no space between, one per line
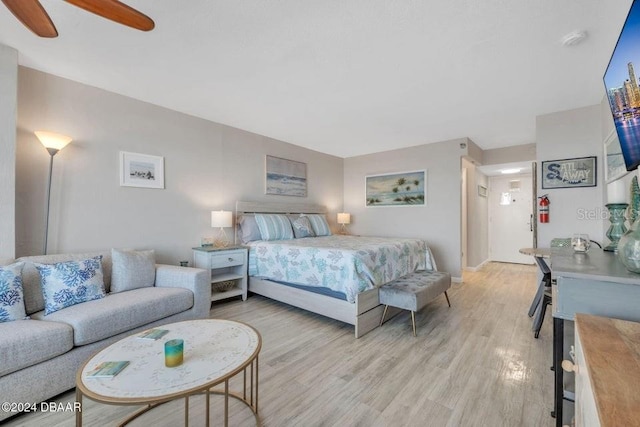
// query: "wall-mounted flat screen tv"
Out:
[623,88]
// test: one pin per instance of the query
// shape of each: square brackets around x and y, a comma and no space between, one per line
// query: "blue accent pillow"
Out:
[248,229]
[11,294]
[302,227]
[68,283]
[274,227]
[320,225]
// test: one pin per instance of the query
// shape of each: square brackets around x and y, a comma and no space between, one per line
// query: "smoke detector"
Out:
[573,38]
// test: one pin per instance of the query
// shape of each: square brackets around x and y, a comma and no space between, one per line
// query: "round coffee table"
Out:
[214,352]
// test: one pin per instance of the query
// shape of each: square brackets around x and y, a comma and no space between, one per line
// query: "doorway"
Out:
[510,217]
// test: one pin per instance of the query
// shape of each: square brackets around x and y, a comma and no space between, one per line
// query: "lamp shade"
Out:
[344,218]
[221,219]
[52,140]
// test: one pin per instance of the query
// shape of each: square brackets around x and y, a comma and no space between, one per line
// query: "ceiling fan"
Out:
[33,16]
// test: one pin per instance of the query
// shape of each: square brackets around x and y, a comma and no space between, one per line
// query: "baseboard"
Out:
[478,267]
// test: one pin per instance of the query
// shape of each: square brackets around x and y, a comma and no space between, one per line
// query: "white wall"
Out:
[438,222]
[207,166]
[568,134]
[8,110]
[477,219]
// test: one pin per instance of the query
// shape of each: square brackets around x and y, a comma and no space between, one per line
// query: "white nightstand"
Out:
[224,264]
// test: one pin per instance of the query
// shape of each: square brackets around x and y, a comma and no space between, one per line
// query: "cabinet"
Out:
[607,372]
[224,265]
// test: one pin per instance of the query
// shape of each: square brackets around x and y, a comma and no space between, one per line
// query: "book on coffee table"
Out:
[153,334]
[107,369]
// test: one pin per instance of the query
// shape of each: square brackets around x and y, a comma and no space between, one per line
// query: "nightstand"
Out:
[225,265]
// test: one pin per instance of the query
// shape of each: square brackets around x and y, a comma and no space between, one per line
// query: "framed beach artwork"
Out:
[286,177]
[397,189]
[569,173]
[141,170]
[614,166]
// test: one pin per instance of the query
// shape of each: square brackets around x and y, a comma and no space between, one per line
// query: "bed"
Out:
[336,276]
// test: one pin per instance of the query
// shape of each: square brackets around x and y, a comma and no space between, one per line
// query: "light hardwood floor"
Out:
[474,364]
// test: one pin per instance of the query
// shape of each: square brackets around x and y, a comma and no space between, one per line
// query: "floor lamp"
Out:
[53,142]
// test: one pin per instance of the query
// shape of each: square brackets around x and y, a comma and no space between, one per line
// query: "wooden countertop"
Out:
[536,252]
[612,351]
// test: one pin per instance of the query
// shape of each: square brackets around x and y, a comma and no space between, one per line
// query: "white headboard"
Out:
[283,208]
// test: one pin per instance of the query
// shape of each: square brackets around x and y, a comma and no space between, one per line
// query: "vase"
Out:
[617,228]
[629,248]
[634,206]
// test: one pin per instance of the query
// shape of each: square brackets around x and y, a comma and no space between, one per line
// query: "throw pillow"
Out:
[132,270]
[68,283]
[320,225]
[11,294]
[249,230]
[302,227]
[274,227]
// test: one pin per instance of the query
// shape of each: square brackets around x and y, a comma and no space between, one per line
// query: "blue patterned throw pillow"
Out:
[11,295]
[68,283]
[302,227]
[320,225]
[274,227]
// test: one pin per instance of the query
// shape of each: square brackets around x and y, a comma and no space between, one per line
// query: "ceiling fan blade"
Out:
[116,11]
[33,16]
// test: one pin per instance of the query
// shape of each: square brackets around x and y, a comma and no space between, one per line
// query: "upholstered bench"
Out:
[413,291]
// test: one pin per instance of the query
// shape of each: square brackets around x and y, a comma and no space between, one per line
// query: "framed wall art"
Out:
[614,166]
[141,170]
[285,177]
[569,173]
[397,189]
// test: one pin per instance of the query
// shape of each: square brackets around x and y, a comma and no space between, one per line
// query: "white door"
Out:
[510,215]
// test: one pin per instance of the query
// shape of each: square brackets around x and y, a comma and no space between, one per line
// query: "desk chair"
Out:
[543,295]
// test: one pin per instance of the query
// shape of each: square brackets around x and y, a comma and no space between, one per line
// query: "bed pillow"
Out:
[68,283]
[248,229]
[301,227]
[11,294]
[274,227]
[320,225]
[132,270]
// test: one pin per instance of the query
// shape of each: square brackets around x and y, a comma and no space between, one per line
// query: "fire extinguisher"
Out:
[543,208]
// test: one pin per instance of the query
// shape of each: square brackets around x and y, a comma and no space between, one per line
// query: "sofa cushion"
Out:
[27,342]
[11,295]
[33,298]
[99,319]
[132,270]
[69,283]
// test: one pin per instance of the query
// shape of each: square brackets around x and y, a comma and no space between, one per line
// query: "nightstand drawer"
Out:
[227,259]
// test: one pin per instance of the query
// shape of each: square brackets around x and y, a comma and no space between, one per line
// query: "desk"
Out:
[593,283]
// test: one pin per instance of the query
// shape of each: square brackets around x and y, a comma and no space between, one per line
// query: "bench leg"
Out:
[384,313]
[447,297]
[413,322]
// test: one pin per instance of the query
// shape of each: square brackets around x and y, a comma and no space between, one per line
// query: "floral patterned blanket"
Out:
[346,264]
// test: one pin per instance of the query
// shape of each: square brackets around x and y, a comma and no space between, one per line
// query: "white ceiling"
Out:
[344,77]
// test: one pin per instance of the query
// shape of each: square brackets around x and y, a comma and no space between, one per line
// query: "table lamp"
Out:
[344,219]
[222,220]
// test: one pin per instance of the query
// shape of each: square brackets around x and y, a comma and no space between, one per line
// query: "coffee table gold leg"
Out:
[186,411]
[207,411]
[257,365]
[244,383]
[251,381]
[79,411]
[226,403]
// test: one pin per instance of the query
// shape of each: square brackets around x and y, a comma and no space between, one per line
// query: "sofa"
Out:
[39,356]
